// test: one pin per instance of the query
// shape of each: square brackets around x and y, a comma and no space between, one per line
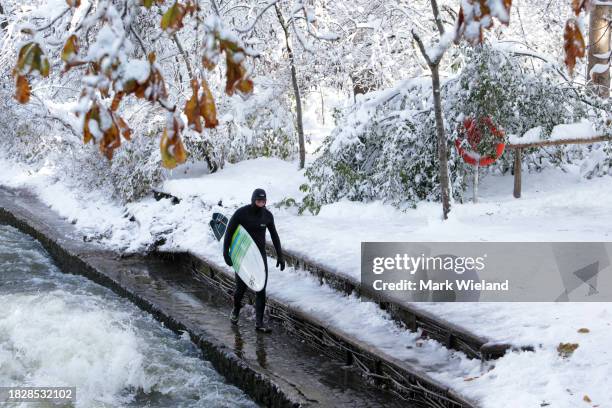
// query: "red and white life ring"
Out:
[473,137]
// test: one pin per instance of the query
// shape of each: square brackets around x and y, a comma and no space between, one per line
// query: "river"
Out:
[64,330]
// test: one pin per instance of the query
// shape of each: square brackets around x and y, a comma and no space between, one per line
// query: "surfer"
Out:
[254,218]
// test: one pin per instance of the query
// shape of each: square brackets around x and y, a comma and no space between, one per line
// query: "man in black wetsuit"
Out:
[254,218]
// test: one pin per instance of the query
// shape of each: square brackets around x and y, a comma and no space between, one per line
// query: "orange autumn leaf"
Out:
[153,88]
[192,109]
[172,150]
[227,45]
[485,11]
[573,45]
[579,5]
[110,141]
[459,26]
[71,47]
[208,63]
[233,74]
[201,106]
[245,86]
[106,132]
[116,101]
[236,76]
[207,107]
[22,89]
[462,22]
[175,128]
[479,14]
[93,114]
[507,5]
[125,129]
[73,3]
[172,19]
[32,58]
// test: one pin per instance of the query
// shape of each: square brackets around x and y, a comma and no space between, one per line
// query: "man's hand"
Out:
[228,260]
[280,263]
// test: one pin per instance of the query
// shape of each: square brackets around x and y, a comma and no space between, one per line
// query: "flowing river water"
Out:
[64,330]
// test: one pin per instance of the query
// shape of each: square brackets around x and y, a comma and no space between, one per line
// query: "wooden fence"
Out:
[518,150]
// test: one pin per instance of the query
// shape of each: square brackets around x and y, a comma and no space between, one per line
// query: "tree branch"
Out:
[142,47]
[185,57]
[422,48]
[54,20]
[215,7]
[296,88]
[257,17]
[436,13]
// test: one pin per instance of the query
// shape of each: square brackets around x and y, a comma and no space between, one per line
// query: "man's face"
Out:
[260,202]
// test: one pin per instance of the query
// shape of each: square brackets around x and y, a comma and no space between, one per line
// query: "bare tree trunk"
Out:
[517,173]
[296,89]
[184,54]
[434,64]
[298,108]
[599,45]
[442,158]
[322,106]
[475,185]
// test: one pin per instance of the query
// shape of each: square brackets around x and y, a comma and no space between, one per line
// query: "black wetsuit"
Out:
[255,220]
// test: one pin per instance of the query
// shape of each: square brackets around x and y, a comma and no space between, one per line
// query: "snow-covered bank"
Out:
[529,379]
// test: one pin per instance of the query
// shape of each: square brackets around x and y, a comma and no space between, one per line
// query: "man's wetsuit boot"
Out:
[261,327]
[260,305]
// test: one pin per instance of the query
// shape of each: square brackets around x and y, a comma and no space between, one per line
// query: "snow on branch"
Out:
[98,43]
[573,133]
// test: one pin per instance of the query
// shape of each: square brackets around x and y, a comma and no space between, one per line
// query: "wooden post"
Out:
[475,187]
[517,173]
[518,148]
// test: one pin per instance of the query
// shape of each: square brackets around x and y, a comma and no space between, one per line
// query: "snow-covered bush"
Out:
[262,125]
[598,161]
[31,134]
[136,171]
[47,141]
[384,148]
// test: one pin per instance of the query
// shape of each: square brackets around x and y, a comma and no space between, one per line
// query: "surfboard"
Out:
[246,258]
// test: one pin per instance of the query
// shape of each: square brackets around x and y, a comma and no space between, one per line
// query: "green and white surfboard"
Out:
[246,258]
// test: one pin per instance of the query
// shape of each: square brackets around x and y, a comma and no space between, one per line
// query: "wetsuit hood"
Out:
[258,194]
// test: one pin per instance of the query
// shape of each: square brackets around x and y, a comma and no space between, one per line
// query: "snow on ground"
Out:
[235,183]
[555,206]
[318,116]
